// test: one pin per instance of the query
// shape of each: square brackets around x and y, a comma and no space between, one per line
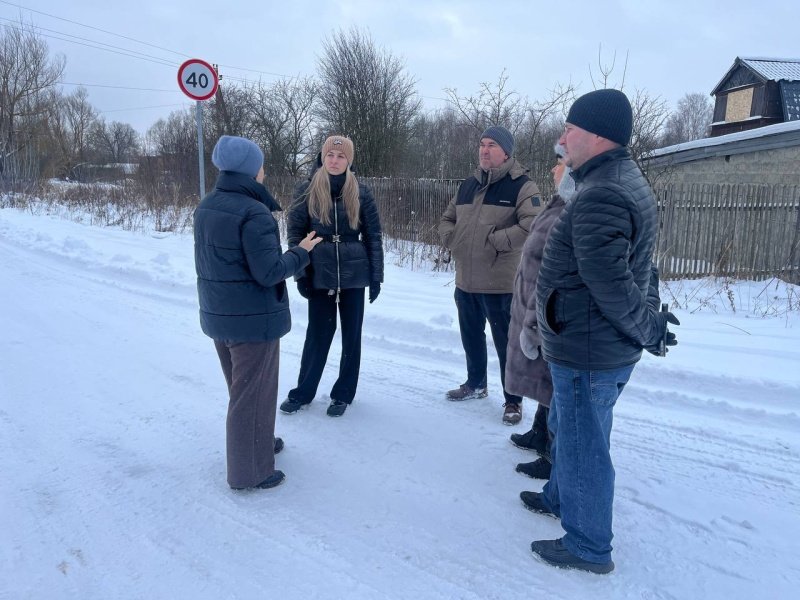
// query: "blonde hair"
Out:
[320,203]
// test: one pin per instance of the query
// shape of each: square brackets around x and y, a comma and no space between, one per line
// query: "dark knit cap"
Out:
[606,113]
[502,136]
[237,154]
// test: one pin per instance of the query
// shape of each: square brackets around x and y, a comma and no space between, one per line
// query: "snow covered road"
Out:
[112,414]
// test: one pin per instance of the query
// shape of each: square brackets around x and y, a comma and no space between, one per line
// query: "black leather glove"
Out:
[303,287]
[374,290]
[662,318]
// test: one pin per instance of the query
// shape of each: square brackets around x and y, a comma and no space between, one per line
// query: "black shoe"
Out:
[538,469]
[337,408]
[533,502]
[535,439]
[554,553]
[273,480]
[290,405]
[278,445]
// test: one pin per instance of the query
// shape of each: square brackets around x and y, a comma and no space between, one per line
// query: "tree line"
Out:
[360,89]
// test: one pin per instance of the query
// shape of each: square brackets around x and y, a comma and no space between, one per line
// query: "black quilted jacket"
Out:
[240,265]
[597,291]
[360,258]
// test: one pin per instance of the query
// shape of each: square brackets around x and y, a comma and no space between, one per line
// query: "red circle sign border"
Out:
[192,61]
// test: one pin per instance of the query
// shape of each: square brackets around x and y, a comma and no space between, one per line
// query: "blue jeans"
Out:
[581,486]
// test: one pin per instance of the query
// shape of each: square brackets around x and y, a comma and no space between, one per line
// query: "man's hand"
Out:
[667,337]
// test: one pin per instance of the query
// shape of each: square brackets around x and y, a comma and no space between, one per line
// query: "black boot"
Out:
[337,408]
[290,405]
[536,438]
[538,469]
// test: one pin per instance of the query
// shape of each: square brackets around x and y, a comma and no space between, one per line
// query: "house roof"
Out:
[775,69]
[768,69]
[780,135]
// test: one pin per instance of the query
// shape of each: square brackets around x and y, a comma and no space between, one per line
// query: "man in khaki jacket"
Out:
[484,227]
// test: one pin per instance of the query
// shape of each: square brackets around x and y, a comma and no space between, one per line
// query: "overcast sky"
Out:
[673,47]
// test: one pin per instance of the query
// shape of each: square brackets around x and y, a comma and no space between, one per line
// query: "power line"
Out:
[92,27]
[162,61]
[91,44]
[118,87]
[142,108]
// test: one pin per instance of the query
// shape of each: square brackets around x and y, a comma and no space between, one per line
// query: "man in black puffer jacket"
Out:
[243,303]
[597,307]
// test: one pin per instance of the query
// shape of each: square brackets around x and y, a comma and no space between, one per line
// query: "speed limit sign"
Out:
[198,79]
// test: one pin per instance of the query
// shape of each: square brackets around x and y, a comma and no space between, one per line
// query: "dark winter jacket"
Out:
[360,257]
[597,292]
[239,263]
[485,226]
[526,377]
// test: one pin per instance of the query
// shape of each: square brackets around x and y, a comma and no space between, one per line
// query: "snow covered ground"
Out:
[112,412]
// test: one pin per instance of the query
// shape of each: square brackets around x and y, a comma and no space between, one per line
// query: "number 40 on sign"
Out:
[198,79]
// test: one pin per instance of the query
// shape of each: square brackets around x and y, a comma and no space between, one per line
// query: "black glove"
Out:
[669,338]
[303,288]
[374,290]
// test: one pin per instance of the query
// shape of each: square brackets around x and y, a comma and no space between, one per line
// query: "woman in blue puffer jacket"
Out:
[244,307]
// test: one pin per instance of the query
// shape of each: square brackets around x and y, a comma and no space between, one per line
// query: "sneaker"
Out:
[512,413]
[337,408]
[290,405]
[538,469]
[273,480]
[278,445]
[465,392]
[535,440]
[533,502]
[553,552]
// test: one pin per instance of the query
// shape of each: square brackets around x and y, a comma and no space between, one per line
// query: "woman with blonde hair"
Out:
[348,260]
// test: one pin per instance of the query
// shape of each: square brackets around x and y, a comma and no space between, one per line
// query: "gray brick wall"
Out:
[781,166]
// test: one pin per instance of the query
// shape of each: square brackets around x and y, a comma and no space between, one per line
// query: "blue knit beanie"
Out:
[606,113]
[237,154]
[502,136]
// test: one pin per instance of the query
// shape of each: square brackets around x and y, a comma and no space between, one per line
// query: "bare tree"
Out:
[228,113]
[540,130]
[115,142]
[602,79]
[494,104]
[282,120]
[26,74]
[690,121]
[649,116]
[442,146]
[169,166]
[365,93]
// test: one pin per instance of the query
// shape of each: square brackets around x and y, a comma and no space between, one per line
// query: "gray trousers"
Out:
[251,372]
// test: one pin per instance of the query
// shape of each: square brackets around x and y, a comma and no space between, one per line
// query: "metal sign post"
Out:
[201,155]
[198,80]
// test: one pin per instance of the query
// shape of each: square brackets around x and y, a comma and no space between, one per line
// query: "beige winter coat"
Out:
[486,224]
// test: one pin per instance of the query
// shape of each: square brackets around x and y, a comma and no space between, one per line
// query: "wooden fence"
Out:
[742,231]
[745,231]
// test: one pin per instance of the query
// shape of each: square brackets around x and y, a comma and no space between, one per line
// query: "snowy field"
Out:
[112,423]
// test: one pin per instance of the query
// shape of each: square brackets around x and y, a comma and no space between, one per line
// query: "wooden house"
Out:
[756,92]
